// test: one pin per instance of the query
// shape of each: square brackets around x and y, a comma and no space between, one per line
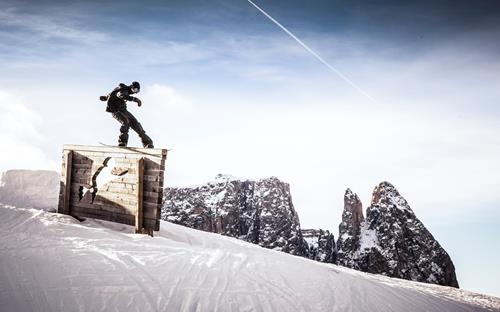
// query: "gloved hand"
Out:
[103,98]
[139,103]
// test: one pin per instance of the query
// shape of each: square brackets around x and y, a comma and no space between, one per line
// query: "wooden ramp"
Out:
[119,184]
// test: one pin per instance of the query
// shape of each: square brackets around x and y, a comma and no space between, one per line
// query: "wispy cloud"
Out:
[50,26]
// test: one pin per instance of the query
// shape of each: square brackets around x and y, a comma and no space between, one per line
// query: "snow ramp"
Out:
[51,262]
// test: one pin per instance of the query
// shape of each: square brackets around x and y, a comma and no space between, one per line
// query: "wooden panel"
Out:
[121,199]
[139,213]
[66,180]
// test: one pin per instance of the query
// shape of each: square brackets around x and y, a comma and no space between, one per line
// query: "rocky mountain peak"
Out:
[353,209]
[392,241]
[386,195]
[349,228]
[259,212]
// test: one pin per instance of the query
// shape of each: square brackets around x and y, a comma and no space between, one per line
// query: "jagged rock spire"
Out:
[392,241]
[349,229]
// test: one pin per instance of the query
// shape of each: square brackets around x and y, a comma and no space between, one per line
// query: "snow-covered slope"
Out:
[51,262]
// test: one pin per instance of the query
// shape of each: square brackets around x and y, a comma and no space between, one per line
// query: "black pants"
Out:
[129,121]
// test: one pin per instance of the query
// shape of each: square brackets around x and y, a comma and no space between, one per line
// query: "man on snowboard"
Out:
[117,105]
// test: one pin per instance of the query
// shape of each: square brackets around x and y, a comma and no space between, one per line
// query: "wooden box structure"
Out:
[119,184]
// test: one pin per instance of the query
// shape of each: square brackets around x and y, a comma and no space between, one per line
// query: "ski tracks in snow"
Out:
[51,262]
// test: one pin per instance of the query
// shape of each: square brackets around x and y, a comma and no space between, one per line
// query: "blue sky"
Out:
[230,92]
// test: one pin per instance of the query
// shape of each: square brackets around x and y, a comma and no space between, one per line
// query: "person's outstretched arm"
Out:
[123,94]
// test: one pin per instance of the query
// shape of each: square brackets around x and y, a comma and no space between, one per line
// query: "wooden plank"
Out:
[148,223]
[139,213]
[149,164]
[117,190]
[80,156]
[151,206]
[147,178]
[108,191]
[113,208]
[106,207]
[152,188]
[119,199]
[156,201]
[151,194]
[102,215]
[84,161]
[68,157]
[153,173]
[147,185]
[81,174]
[123,185]
[62,185]
[153,178]
[81,180]
[149,152]
[112,196]
[112,192]
[79,170]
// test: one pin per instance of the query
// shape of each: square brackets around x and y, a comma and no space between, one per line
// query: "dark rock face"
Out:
[349,229]
[320,245]
[259,212]
[30,189]
[393,242]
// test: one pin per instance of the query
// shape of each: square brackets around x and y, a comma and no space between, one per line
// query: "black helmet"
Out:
[135,86]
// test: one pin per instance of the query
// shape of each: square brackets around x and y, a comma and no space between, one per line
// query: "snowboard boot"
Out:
[146,140]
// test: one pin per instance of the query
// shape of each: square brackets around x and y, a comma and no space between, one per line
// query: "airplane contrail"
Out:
[316,55]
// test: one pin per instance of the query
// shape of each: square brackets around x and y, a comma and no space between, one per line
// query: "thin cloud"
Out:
[50,26]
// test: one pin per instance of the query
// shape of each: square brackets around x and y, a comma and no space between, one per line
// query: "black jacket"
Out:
[117,99]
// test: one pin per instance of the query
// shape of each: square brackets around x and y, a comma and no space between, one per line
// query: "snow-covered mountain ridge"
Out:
[52,262]
[259,212]
[390,241]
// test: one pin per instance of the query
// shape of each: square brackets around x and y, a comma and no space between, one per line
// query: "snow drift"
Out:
[51,262]
[30,188]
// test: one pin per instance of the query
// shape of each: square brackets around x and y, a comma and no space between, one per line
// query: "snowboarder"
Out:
[117,105]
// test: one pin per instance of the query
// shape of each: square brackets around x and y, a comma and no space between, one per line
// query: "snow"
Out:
[212,201]
[368,237]
[51,262]
[311,241]
[218,179]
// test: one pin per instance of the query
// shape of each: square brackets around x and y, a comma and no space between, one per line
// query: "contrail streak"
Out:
[316,55]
